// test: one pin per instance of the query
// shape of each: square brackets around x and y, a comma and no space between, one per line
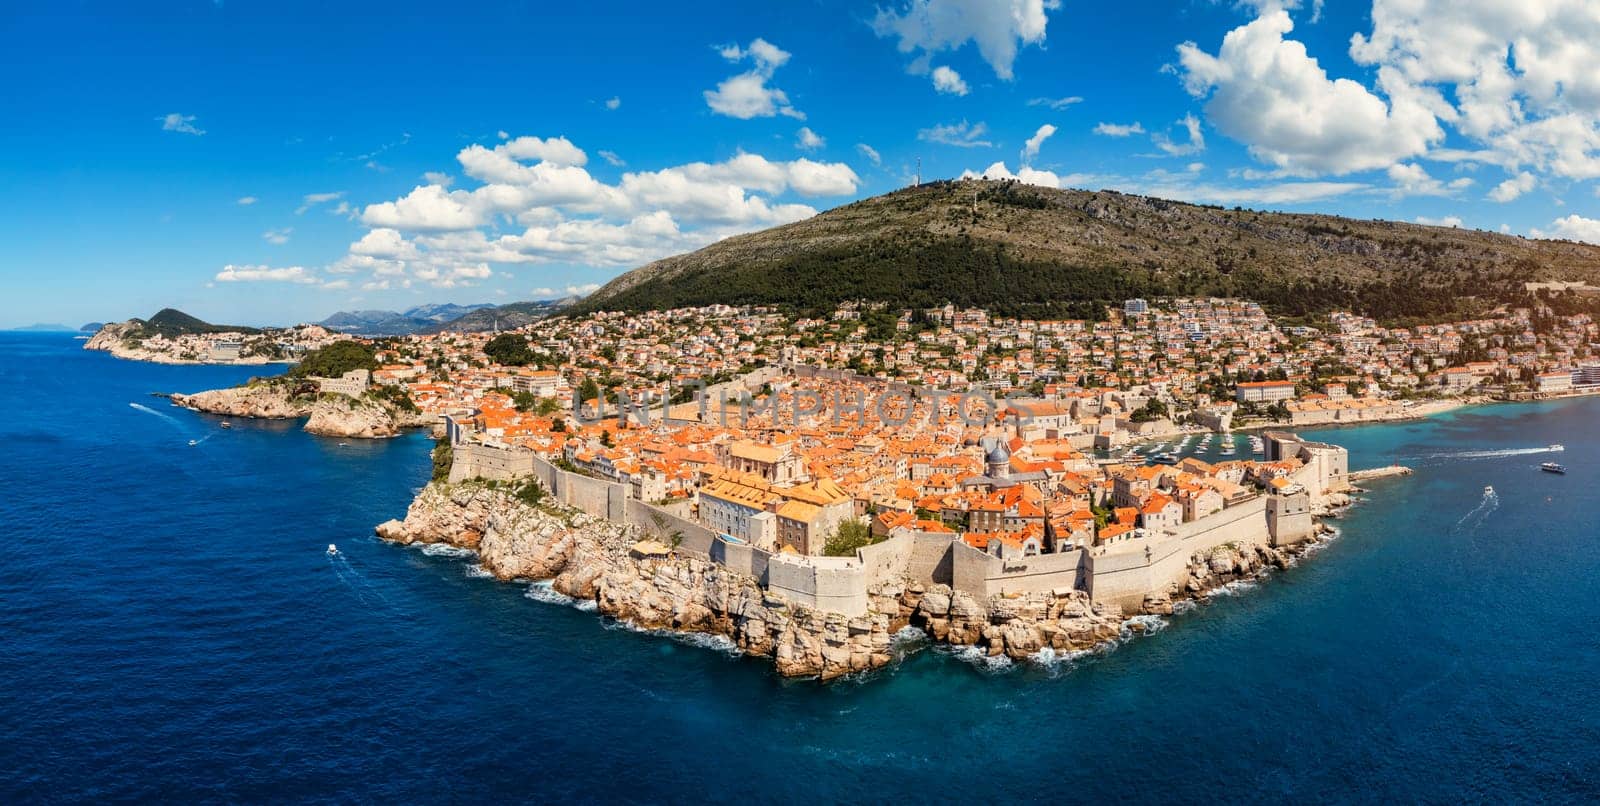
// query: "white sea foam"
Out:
[715,643]
[1060,659]
[542,591]
[980,657]
[1141,625]
[1233,588]
[446,550]
[477,571]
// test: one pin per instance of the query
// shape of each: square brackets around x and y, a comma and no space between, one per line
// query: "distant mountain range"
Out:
[440,318]
[397,323]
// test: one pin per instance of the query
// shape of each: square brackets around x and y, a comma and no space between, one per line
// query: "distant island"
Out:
[42,328]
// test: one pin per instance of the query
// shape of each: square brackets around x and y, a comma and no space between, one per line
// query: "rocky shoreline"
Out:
[590,559]
[326,415]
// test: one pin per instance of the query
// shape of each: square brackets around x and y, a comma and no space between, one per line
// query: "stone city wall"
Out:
[837,584]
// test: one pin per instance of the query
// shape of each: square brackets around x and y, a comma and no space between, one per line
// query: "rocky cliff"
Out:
[591,559]
[327,415]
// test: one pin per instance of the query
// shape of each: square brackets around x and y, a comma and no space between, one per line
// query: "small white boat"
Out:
[332,549]
[1558,447]
[344,444]
[1488,490]
[193,442]
[226,424]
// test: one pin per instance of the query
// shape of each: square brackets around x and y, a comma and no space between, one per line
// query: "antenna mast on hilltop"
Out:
[919,173]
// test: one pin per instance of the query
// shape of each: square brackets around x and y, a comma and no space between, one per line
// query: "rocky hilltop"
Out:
[1021,250]
[596,561]
[326,414]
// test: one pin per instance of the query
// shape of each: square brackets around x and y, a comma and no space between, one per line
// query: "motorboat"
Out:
[226,424]
[193,442]
[1488,490]
[1558,447]
[1552,467]
[332,549]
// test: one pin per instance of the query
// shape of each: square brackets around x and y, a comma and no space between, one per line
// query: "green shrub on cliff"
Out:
[396,396]
[442,457]
[530,493]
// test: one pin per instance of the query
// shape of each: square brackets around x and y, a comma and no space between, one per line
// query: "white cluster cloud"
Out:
[1513,188]
[1521,73]
[948,81]
[572,290]
[1269,93]
[747,95]
[963,135]
[1573,228]
[246,201]
[1182,187]
[181,123]
[1030,149]
[1057,104]
[1195,144]
[1024,174]
[1513,80]
[250,274]
[1119,129]
[311,200]
[998,27]
[1446,221]
[277,237]
[808,140]
[1411,179]
[536,202]
[870,153]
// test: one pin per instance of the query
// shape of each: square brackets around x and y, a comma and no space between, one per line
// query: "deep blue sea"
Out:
[171,627]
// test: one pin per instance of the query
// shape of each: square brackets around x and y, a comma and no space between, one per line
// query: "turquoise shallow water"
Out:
[173,628]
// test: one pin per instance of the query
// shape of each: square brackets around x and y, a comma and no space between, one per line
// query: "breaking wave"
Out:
[543,591]
[447,550]
[979,658]
[699,640]
[1140,625]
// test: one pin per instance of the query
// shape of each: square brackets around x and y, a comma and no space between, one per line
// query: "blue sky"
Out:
[259,162]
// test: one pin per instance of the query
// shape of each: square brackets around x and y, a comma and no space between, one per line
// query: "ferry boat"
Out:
[1552,467]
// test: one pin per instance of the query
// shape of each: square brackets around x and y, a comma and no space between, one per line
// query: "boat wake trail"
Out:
[355,580]
[1495,454]
[1472,520]
[147,410]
